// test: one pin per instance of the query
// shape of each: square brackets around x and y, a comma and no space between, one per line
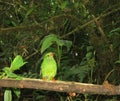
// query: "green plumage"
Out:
[48,67]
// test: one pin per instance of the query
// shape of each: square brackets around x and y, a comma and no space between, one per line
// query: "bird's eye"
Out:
[48,55]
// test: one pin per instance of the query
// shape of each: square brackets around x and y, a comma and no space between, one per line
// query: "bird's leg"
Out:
[53,79]
[44,78]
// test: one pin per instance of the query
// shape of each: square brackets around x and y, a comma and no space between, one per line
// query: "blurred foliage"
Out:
[8,72]
[94,56]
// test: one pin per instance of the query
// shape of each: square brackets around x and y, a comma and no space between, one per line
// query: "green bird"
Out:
[48,67]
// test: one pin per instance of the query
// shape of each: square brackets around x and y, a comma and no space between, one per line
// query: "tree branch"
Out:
[40,25]
[35,26]
[61,86]
[79,27]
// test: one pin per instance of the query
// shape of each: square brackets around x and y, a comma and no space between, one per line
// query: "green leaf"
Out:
[29,12]
[6,70]
[68,44]
[89,48]
[17,63]
[115,30]
[9,73]
[91,62]
[117,62]
[54,39]
[48,41]
[65,43]
[59,42]
[84,70]
[77,71]
[89,55]
[17,92]
[63,5]
[8,95]
[13,75]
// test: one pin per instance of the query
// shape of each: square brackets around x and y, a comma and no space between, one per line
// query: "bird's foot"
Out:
[53,79]
[44,78]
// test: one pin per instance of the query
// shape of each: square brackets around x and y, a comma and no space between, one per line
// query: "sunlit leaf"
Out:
[10,74]
[6,70]
[48,41]
[8,95]
[54,39]
[17,63]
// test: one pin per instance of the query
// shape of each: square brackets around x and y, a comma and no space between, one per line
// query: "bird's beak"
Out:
[52,54]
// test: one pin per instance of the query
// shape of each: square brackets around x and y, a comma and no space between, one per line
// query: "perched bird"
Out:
[48,67]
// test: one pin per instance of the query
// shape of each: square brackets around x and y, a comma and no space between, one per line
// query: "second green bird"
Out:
[48,66]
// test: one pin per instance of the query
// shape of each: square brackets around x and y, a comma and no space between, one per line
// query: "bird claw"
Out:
[53,79]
